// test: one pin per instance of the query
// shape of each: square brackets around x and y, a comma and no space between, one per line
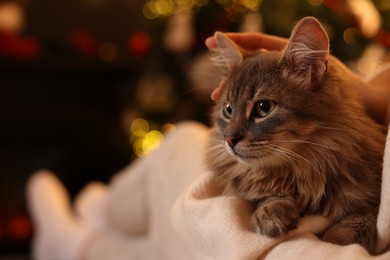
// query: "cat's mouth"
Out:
[259,157]
[246,155]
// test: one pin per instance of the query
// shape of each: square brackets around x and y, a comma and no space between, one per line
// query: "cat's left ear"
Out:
[228,53]
[307,51]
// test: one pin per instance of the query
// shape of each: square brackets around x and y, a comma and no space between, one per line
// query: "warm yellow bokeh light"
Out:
[251,4]
[151,141]
[11,17]
[349,35]
[222,2]
[383,5]
[200,2]
[144,138]
[139,127]
[162,8]
[315,2]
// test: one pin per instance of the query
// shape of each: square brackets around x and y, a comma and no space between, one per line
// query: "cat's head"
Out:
[272,102]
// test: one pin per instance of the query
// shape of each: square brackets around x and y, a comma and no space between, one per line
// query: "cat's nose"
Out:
[232,140]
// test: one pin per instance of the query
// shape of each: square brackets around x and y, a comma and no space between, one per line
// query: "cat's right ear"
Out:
[228,53]
[307,52]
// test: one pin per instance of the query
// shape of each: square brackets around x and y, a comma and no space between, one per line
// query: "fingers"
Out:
[217,93]
[376,94]
[252,41]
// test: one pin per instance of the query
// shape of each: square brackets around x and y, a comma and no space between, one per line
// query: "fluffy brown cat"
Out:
[291,135]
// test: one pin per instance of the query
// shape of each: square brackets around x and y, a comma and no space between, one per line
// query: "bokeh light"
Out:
[383,5]
[315,2]
[163,8]
[251,4]
[11,17]
[139,44]
[151,141]
[147,136]
[350,35]
[19,227]
[107,51]
[139,127]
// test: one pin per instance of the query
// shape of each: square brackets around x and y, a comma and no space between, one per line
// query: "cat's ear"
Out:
[307,51]
[228,53]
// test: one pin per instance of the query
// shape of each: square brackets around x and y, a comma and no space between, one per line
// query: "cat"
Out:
[291,135]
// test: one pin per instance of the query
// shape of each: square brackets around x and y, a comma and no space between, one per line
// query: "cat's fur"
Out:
[316,152]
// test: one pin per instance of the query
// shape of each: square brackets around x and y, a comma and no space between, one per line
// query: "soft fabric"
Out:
[129,218]
[58,233]
[167,206]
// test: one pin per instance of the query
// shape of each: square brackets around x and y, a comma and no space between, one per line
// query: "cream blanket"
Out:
[201,223]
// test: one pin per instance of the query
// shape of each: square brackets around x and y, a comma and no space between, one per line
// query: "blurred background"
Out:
[87,86]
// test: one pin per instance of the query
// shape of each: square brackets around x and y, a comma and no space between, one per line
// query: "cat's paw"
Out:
[276,217]
[353,229]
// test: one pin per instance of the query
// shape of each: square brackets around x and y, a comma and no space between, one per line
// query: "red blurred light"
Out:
[85,42]
[139,44]
[18,47]
[19,228]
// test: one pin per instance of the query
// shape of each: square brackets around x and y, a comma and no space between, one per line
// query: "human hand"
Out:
[251,41]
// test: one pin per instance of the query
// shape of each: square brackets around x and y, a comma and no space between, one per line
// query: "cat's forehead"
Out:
[255,67]
[265,59]
[254,74]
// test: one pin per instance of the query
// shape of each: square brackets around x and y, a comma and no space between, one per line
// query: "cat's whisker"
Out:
[286,154]
[290,152]
[298,157]
[212,75]
[275,151]
[333,128]
[219,152]
[347,129]
[328,147]
[188,91]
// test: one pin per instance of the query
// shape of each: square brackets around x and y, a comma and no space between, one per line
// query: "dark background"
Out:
[72,80]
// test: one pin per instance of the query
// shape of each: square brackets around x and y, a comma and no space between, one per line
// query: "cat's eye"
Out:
[263,108]
[227,111]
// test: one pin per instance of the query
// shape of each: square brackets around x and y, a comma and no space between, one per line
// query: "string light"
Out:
[163,8]
[222,2]
[315,2]
[251,4]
